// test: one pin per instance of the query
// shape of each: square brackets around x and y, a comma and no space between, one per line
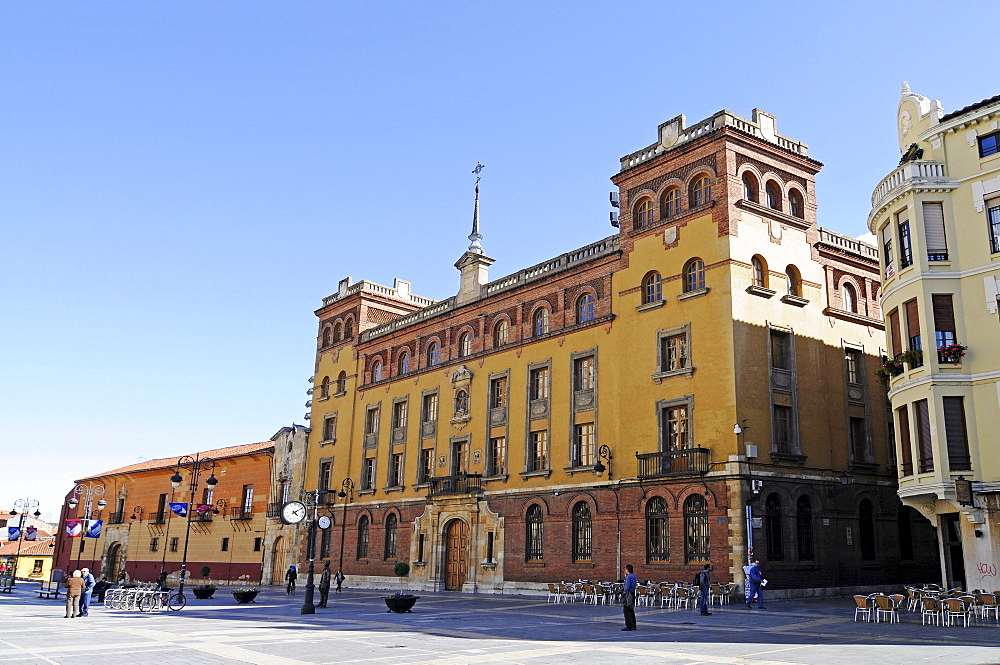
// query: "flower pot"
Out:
[400,604]
[203,594]
[243,597]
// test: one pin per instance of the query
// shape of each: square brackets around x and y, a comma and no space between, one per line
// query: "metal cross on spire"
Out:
[475,236]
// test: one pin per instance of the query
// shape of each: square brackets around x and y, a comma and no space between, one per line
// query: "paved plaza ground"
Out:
[454,629]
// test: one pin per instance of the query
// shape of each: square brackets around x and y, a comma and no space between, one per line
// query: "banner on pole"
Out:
[179,508]
[74,528]
[13,533]
[94,528]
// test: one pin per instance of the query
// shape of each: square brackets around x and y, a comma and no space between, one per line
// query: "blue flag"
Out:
[179,508]
[13,533]
[94,528]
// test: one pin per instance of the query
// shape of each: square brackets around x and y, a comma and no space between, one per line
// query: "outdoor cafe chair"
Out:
[862,607]
[884,607]
[955,608]
[930,611]
[988,605]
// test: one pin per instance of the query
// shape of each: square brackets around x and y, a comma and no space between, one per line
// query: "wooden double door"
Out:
[456,554]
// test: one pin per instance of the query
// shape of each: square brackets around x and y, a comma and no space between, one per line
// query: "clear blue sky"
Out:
[182,182]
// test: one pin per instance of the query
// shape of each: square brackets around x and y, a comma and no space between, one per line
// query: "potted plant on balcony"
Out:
[400,602]
[245,595]
[890,368]
[913,357]
[952,353]
[204,590]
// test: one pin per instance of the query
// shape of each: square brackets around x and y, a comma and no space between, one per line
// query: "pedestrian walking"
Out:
[290,577]
[755,585]
[628,597]
[324,584]
[74,589]
[704,584]
[339,579]
[88,589]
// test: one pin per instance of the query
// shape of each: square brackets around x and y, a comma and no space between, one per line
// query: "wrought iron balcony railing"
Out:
[683,462]
[116,518]
[241,513]
[274,511]
[463,483]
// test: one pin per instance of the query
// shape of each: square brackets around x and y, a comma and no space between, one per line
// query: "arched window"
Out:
[465,344]
[759,272]
[338,331]
[377,370]
[866,530]
[533,533]
[795,207]
[652,288]
[349,329]
[694,275]
[501,333]
[342,382]
[773,195]
[404,362]
[433,354]
[850,297]
[363,537]
[324,388]
[582,532]
[644,213]
[696,536]
[541,321]
[657,536]
[327,336]
[772,528]
[391,527]
[671,202]
[701,192]
[749,187]
[793,282]
[585,308]
[804,528]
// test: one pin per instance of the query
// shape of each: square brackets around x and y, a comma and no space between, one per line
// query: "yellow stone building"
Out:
[659,397]
[937,219]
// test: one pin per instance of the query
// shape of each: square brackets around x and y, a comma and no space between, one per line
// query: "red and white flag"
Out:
[74,528]
[30,533]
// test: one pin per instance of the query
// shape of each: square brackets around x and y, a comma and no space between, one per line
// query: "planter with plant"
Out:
[913,357]
[952,353]
[890,368]
[206,589]
[245,595]
[400,602]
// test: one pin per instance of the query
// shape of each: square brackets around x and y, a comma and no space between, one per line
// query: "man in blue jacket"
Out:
[756,584]
[628,597]
[88,588]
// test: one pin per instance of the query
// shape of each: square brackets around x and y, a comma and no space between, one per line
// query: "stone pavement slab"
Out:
[456,629]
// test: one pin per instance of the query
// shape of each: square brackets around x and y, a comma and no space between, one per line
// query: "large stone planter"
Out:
[201,593]
[243,597]
[400,604]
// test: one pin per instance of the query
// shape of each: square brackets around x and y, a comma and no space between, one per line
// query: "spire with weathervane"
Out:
[474,264]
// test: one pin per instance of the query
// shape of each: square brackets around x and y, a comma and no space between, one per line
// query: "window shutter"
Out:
[897,345]
[925,451]
[934,228]
[912,319]
[904,440]
[903,216]
[944,313]
[956,434]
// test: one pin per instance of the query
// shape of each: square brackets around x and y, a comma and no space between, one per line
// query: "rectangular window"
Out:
[154,544]
[676,428]
[324,544]
[330,428]
[37,567]
[420,547]
[459,457]
[207,496]
[584,373]
[174,542]
[368,474]
[247,504]
[782,428]
[934,236]
[925,453]
[905,451]
[905,248]
[895,333]
[430,408]
[583,444]
[426,464]
[781,350]
[851,364]
[887,256]
[498,392]
[396,470]
[225,544]
[399,411]
[539,383]
[161,509]
[993,215]
[498,456]
[489,546]
[956,434]
[325,475]
[944,320]
[539,450]
[913,328]
[675,353]
[989,145]
[859,447]
[372,420]
[258,544]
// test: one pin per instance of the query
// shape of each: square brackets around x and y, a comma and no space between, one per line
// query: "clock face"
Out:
[293,512]
[324,522]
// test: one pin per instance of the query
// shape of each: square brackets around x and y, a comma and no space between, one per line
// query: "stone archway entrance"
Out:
[456,554]
[278,561]
[113,562]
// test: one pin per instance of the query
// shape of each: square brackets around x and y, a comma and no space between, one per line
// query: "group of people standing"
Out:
[79,587]
[754,590]
[324,582]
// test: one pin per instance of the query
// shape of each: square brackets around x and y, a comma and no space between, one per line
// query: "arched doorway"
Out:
[278,561]
[456,554]
[113,562]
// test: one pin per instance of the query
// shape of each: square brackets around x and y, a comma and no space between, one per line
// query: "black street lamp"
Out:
[347,493]
[312,501]
[21,507]
[195,466]
[604,452]
[88,491]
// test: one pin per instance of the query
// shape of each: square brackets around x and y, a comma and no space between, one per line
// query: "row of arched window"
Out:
[584,309]
[699,193]
[762,276]
[337,332]
[774,196]
[389,539]
[693,275]
[774,532]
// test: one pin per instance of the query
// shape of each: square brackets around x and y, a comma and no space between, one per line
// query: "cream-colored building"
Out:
[937,219]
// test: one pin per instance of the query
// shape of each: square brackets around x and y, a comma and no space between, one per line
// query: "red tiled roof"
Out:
[170,462]
[970,108]
[28,547]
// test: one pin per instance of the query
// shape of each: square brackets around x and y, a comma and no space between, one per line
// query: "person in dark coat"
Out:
[324,585]
[704,584]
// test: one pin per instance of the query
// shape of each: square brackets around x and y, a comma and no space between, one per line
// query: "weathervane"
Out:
[475,236]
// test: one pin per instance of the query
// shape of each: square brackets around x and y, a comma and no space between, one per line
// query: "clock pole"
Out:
[312,501]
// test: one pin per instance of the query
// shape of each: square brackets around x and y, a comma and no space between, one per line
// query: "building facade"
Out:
[937,219]
[231,528]
[579,414]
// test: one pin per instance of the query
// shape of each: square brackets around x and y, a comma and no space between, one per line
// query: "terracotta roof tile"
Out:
[28,547]
[169,462]
[969,108]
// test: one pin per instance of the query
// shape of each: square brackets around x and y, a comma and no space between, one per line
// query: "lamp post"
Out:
[195,465]
[87,491]
[604,452]
[346,490]
[136,514]
[21,507]
[312,501]
[755,485]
